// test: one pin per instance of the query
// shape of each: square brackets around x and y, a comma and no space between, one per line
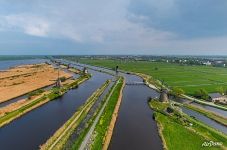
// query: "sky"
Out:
[83,27]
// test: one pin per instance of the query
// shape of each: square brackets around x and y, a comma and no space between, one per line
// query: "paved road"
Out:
[84,145]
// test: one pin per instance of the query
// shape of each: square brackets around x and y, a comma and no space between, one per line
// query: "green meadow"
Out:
[189,78]
[177,133]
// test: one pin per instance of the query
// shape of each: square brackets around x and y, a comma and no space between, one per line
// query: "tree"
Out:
[176,91]
[62,79]
[221,90]
[202,93]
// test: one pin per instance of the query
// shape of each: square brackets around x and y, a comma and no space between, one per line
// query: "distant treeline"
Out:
[19,57]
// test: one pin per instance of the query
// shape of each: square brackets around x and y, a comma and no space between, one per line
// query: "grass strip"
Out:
[4,120]
[84,131]
[179,130]
[102,126]
[208,114]
[61,136]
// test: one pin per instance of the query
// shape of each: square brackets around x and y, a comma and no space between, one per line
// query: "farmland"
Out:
[179,130]
[23,79]
[189,78]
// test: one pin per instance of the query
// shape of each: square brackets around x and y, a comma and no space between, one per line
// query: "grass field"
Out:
[177,133]
[189,78]
[104,121]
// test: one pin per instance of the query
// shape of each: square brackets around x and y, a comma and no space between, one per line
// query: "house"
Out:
[218,98]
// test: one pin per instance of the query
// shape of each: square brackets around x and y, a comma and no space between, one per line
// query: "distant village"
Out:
[217,61]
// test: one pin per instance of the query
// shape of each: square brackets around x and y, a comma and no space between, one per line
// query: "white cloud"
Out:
[28,24]
[104,24]
[82,21]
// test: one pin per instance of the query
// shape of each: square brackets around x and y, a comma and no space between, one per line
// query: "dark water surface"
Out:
[135,129]
[34,128]
[5,64]
[212,109]
[206,107]
[205,120]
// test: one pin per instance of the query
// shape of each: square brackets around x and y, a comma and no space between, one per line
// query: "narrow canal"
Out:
[206,107]
[34,128]
[13,100]
[135,128]
[205,120]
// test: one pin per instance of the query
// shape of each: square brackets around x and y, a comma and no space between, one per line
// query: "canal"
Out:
[35,127]
[135,129]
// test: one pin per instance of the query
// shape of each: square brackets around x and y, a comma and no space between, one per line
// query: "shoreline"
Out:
[35,78]
[11,116]
[110,129]
[64,132]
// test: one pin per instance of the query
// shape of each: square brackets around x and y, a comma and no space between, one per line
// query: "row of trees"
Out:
[201,93]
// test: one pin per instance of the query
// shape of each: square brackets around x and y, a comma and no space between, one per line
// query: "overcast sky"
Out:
[195,27]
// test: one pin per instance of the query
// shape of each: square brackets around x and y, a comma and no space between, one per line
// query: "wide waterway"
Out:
[6,64]
[135,128]
[35,127]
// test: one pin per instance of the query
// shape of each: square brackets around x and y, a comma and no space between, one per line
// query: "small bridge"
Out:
[135,83]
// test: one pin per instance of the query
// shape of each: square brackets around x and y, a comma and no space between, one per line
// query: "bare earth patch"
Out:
[23,79]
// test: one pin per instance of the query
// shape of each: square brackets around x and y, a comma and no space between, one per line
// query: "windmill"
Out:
[58,80]
[116,69]
[68,65]
[85,71]
[163,93]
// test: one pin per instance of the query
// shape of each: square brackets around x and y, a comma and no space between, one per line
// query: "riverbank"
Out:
[109,132]
[179,130]
[23,79]
[154,81]
[209,114]
[61,136]
[55,92]
[204,102]
[99,134]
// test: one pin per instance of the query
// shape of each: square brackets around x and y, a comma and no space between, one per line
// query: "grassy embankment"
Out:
[99,70]
[84,132]
[178,130]
[59,139]
[100,134]
[189,78]
[55,93]
[209,114]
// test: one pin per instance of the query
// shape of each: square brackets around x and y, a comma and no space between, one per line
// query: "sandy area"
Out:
[110,129]
[19,104]
[26,78]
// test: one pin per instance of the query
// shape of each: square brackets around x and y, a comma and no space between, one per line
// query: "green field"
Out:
[177,133]
[189,78]
[105,119]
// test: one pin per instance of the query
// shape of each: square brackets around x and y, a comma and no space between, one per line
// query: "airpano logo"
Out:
[211,144]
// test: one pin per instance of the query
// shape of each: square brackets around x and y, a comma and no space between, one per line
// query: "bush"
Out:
[36,92]
[202,93]
[62,79]
[177,91]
